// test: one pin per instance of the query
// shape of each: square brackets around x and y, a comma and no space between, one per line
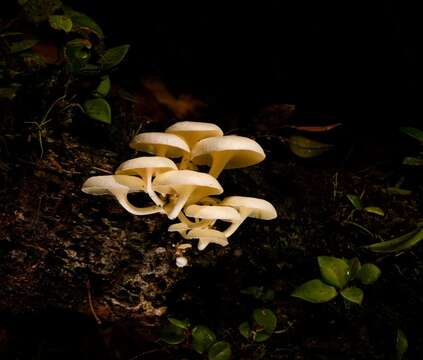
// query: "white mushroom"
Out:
[248,207]
[212,213]
[193,131]
[160,144]
[119,186]
[146,168]
[207,236]
[188,185]
[181,228]
[226,152]
[181,261]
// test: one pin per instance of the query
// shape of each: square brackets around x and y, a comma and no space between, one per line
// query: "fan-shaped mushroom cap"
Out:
[216,212]
[146,167]
[192,131]
[227,152]
[161,144]
[189,186]
[207,236]
[248,207]
[181,228]
[119,186]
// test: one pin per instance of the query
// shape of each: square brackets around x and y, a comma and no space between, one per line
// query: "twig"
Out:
[90,302]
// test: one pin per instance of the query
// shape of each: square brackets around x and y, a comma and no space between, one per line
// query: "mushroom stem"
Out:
[149,190]
[235,225]
[220,159]
[122,198]
[184,162]
[180,202]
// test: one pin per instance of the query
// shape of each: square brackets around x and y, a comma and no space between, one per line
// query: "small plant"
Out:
[336,276]
[416,134]
[357,203]
[261,327]
[200,338]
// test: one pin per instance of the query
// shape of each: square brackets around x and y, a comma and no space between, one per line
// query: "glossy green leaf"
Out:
[113,56]
[353,294]
[172,334]
[413,161]
[413,132]
[315,291]
[220,351]
[369,274]
[334,271]
[355,266]
[245,330]
[355,201]
[98,109]
[202,338]
[401,345]
[60,22]
[403,242]
[103,87]
[398,191]
[266,319]
[82,23]
[183,324]
[22,45]
[374,210]
[307,148]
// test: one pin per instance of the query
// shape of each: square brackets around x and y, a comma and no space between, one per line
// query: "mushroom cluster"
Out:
[180,190]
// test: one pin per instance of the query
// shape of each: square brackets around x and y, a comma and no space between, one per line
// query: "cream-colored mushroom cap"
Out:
[160,144]
[146,167]
[227,152]
[189,186]
[119,186]
[216,212]
[248,207]
[193,131]
[207,236]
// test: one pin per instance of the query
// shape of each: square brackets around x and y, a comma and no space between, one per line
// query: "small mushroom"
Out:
[119,186]
[248,207]
[226,152]
[207,236]
[181,228]
[212,213]
[146,168]
[188,185]
[193,131]
[160,144]
[181,261]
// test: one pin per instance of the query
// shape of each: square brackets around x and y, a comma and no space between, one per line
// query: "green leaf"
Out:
[268,295]
[374,210]
[413,132]
[355,266]
[172,335]
[400,243]
[183,324]
[98,109]
[202,338]
[83,23]
[315,291]
[260,336]
[60,22]
[37,11]
[245,330]
[23,45]
[266,319]
[399,191]
[103,87]
[355,201]
[220,351]
[369,274]
[402,344]
[255,291]
[307,148]
[113,56]
[334,271]
[78,53]
[353,294]
[413,161]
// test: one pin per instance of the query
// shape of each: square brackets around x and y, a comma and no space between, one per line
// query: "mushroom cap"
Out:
[178,227]
[138,165]
[152,142]
[260,209]
[216,212]
[207,236]
[193,131]
[242,151]
[102,185]
[175,181]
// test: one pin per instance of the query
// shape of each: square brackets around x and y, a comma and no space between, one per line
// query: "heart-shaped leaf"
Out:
[307,148]
[183,324]
[220,351]
[334,271]
[98,109]
[172,334]
[400,243]
[402,344]
[353,294]
[202,338]
[369,274]
[266,319]
[245,330]
[60,22]
[315,291]
[113,56]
